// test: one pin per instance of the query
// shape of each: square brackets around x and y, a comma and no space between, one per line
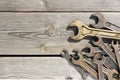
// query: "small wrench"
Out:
[80,62]
[91,50]
[116,50]
[101,44]
[65,54]
[99,61]
[101,22]
[109,73]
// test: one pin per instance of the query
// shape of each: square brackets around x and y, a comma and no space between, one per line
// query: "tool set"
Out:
[94,60]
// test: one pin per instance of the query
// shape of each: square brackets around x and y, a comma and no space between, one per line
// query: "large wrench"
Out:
[80,62]
[83,30]
[101,44]
[101,22]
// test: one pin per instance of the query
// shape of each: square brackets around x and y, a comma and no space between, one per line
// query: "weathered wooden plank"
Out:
[33,33]
[53,68]
[59,5]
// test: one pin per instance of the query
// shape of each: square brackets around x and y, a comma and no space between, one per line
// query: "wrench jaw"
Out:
[98,41]
[76,60]
[109,73]
[78,35]
[99,20]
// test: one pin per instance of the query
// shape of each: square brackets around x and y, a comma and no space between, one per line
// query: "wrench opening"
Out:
[74,29]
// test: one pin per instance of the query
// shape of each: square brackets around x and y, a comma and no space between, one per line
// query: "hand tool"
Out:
[83,30]
[101,22]
[116,50]
[80,62]
[91,53]
[99,61]
[109,73]
[91,50]
[101,44]
[65,54]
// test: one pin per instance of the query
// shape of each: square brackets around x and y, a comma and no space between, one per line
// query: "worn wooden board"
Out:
[37,68]
[33,33]
[59,5]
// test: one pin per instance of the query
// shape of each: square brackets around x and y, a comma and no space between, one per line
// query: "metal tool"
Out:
[91,50]
[109,73]
[101,22]
[101,44]
[115,45]
[91,53]
[83,30]
[99,61]
[65,54]
[80,62]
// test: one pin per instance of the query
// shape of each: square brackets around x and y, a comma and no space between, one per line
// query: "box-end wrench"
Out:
[101,44]
[80,62]
[101,22]
[99,61]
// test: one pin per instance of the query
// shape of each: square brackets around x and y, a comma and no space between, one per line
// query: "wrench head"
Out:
[99,20]
[77,57]
[79,26]
[98,41]
[99,59]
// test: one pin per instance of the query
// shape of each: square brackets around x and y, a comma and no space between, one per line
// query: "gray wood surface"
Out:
[40,68]
[59,5]
[40,33]
[38,27]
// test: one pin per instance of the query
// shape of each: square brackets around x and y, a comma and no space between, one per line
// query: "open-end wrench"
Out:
[101,22]
[91,50]
[83,30]
[65,54]
[99,61]
[91,53]
[80,62]
[101,44]
[115,45]
[109,73]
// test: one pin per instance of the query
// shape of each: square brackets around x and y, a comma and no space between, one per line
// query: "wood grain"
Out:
[52,68]
[41,33]
[59,5]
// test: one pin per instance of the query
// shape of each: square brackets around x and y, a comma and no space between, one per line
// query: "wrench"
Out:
[109,73]
[101,44]
[99,61]
[101,22]
[80,62]
[91,51]
[116,50]
[83,30]
[65,54]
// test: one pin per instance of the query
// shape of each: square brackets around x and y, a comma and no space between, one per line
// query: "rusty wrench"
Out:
[99,61]
[80,62]
[101,22]
[101,44]
[116,50]
[109,73]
